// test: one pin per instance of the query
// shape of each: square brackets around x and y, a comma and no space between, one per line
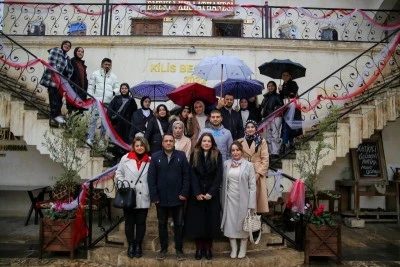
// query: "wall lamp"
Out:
[192,50]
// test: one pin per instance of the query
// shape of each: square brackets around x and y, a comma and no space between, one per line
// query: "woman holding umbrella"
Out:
[157,127]
[288,90]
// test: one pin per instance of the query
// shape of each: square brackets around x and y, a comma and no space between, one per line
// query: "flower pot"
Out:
[322,241]
[57,235]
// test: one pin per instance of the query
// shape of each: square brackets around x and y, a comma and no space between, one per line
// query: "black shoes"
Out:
[208,254]
[199,254]
[162,254]
[180,256]
[138,251]
[131,250]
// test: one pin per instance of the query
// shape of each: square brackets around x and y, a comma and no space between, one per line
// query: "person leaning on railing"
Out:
[59,60]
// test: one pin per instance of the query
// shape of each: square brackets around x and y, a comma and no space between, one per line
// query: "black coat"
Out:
[168,180]
[270,103]
[76,78]
[203,218]
[289,90]
[153,133]
[233,122]
[138,123]
[122,127]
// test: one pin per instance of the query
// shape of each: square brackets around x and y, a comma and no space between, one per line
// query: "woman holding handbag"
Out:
[238,198]
[132,170]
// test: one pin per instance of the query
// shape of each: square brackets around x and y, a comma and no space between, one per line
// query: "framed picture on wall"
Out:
[369,164]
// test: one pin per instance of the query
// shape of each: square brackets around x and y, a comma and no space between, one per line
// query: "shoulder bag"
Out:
[125,198]
[252,223]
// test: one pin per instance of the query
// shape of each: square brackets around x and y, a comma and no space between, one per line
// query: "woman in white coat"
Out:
[133,167]
[238,197]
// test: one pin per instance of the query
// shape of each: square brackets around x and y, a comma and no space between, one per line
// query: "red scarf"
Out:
[133,155]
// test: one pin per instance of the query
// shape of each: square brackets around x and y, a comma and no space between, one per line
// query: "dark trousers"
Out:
[55,101]
[135,217]
[203,243]
[177,217]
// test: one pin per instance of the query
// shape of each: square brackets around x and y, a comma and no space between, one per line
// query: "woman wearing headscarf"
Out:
[157,127]
[271,102]
[204,208]
[288,91]
[183,116]
[182,142]
[255,150]
[59,60]
[245,112]
[197,121]
[140,118]
[121,107]
[237,199]
[79,78]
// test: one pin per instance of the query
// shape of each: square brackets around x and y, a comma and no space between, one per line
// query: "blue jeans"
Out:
[286,137]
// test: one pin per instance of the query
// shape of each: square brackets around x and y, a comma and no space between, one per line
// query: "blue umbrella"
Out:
[240,88]
[156,90]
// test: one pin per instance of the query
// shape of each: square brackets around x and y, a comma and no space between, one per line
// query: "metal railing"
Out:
[200,20]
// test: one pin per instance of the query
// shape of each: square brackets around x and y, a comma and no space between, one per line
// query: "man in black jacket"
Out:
[231,118]
[168,180]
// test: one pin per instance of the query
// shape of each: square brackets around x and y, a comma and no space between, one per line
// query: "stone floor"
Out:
[376,245]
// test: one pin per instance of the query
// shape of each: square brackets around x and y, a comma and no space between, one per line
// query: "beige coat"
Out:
[260,160]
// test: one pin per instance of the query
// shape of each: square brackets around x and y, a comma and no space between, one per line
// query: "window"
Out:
[77,28]
[37,28]
[288,32]
[329,34]
[149,27]
[227,28]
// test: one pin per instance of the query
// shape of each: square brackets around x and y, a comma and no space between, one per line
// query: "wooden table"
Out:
[30,189]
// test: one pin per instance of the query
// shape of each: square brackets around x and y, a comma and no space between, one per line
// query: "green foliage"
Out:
[324,219]
[64,147]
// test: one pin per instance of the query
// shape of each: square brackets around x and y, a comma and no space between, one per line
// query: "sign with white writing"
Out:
[369,163]
[183,7]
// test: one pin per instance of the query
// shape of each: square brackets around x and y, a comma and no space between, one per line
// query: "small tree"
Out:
[308,160]
[65,147]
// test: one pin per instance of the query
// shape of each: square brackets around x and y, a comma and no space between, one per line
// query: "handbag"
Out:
[252,223]
[125,197]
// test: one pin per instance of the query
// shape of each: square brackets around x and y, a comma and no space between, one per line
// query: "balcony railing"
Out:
[184,18]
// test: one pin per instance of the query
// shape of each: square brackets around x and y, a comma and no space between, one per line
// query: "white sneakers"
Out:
[59,119]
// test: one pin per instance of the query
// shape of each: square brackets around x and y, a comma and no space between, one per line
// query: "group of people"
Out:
[206,169]
[218,194]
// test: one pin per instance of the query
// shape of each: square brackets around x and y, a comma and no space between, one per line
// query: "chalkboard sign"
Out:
[368,159]
[369,163]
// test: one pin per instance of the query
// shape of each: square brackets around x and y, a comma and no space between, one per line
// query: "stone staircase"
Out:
[359,124]
[258,255]
[25,120]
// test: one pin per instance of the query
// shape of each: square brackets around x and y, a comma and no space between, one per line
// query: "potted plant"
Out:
[322,233]
[65,147]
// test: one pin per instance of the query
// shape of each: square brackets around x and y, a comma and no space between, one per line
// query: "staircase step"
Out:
[278,257]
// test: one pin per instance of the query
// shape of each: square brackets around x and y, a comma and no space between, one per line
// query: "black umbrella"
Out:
[276,67]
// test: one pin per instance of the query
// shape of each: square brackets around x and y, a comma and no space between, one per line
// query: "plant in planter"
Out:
[322,234]
[56,229]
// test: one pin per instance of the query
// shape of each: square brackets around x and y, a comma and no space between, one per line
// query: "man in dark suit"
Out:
[168,180]
[231,118]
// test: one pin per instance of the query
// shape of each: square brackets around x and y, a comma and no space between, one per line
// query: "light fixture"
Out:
[192,50]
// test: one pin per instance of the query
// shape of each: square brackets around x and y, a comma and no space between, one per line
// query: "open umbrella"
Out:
[187,94]
[276,67]
[222,67]
[156,90]
[240,88]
